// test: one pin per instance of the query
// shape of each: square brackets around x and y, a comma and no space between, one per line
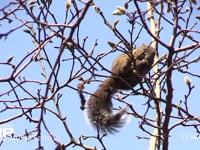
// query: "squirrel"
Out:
[127,71]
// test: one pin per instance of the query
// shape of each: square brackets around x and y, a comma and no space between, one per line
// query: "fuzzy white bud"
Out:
[121,9]
[68,4]
[117,12]
[187,81]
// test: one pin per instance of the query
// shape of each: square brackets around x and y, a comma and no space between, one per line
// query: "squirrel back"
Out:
[127,71]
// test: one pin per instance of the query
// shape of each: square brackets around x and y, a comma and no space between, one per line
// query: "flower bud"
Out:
[117,12]
[116,22]
[111,44]
[68,4]
[121,9]
[187,81]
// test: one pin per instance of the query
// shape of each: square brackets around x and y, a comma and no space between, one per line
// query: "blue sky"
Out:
[19,44]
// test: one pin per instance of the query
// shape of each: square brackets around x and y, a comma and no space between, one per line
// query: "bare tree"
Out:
[60,58]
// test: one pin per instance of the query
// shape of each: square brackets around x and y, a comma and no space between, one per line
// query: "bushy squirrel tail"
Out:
[128,70]
[99,109]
